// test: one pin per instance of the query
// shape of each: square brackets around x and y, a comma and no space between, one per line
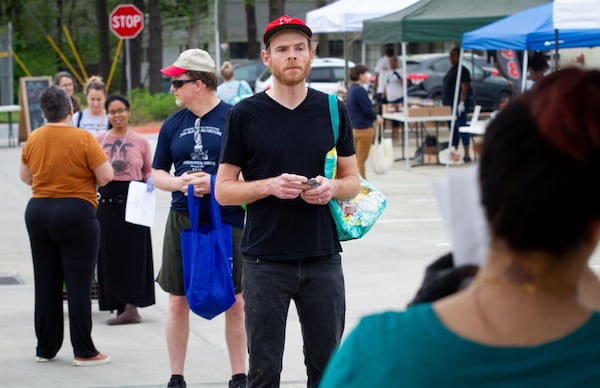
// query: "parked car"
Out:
[425,73]
[249,71]
[325,75]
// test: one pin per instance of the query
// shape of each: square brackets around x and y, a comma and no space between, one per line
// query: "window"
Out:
[320,74]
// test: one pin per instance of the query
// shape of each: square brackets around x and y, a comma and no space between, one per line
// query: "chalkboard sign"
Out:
[31,116]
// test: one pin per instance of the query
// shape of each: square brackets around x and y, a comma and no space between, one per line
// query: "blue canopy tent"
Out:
[531,29]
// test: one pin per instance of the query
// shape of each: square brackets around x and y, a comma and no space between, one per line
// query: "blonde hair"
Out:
[94,82]
[227,71]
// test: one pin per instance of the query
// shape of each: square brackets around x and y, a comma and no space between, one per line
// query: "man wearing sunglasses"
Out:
[190,141]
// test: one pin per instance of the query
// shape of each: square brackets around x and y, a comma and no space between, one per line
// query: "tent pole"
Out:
[405,102]
[455,103]
[556,66]
[524,71]
[346,59]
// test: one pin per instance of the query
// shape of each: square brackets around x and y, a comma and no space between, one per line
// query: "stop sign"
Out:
[126,21]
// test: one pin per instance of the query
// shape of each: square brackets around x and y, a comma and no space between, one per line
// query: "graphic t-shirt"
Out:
[188,142]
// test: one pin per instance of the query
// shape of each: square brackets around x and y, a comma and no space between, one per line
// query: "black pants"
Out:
[316,285]
[64,235]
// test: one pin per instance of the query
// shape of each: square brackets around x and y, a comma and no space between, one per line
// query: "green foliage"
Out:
[146,107]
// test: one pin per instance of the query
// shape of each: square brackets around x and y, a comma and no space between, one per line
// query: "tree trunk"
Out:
[193,31]
[276,9]
[155,48]
[102,17]
[251,31]
[323,42]
[135,50]
[223,35]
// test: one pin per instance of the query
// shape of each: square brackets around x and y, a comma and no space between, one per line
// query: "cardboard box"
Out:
[440,111]
[418,112]
[430,155]
[391,108]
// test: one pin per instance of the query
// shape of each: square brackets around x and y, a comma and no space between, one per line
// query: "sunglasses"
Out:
[177,83]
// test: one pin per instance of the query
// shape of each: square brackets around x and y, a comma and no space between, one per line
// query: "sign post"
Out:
[126,21]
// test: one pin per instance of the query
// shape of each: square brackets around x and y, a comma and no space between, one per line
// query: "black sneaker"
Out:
[467,159]
[238,381]
[176,382]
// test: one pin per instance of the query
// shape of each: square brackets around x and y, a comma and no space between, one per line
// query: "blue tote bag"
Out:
[207,256]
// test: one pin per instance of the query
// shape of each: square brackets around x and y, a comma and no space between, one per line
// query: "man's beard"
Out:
[289,79]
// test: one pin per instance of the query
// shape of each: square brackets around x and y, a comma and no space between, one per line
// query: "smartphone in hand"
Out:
[313,183]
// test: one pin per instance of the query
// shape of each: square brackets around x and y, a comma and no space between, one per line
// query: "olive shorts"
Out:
[170,275]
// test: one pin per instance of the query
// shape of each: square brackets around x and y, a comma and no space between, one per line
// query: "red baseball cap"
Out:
[285,23]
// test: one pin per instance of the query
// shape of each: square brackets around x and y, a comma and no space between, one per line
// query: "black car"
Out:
[426,72]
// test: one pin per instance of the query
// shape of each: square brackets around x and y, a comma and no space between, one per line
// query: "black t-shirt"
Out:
[266,139]
[449,84]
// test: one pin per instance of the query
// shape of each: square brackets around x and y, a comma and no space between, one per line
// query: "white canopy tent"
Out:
[348,15]
[576,14]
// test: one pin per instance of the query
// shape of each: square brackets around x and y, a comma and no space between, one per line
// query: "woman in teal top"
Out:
[521,322]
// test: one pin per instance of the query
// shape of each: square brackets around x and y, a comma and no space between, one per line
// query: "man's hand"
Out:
[461,108]
[321,194]
[200,180]
[287,186]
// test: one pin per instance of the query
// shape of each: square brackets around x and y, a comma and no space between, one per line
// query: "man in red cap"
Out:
[190,141]
[278,139]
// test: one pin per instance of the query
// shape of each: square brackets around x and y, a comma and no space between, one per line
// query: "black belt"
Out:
[119,198]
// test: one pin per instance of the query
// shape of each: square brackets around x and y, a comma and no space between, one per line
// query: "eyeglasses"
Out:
[177,83]
[117,112]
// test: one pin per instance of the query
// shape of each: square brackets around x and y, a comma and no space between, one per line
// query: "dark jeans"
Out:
[64,236]
[317,287]
[461,121]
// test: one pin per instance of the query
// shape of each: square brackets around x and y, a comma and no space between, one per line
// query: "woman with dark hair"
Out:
[63,165]
[362,115]
[525,319]
[125,265]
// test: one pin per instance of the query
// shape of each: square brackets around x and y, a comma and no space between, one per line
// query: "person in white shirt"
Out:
[393,82]
[93,118]
[231,90]
[382,67]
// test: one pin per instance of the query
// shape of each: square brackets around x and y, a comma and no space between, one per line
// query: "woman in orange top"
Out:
[63,165]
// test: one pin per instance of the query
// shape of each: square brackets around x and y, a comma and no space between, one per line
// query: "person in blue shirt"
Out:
[190,142]
[362,115]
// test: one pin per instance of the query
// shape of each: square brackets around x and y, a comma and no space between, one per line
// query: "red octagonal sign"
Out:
[126,21]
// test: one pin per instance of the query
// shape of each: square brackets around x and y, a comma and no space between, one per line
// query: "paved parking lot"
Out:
[382,272]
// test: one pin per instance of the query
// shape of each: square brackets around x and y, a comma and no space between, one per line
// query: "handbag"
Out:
[353,217]
[382,153]
[207,258]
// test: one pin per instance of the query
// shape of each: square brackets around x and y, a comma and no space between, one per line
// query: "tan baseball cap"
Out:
[192,59]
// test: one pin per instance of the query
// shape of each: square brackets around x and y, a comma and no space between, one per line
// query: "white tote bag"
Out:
[382,153]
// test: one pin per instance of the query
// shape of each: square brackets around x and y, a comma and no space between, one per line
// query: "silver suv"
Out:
[325,75]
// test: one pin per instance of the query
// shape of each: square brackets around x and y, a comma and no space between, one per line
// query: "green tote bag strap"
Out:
[331,156]
[335,116]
